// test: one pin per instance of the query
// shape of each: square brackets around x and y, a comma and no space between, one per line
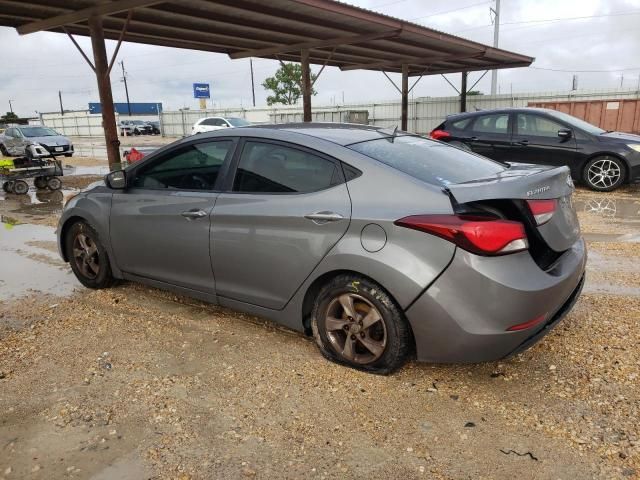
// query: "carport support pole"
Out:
[104,91]
[306,86]
[405,96]
[463,92]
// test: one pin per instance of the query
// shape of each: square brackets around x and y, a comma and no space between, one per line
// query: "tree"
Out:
[475,92]
[286,84]
[9,117]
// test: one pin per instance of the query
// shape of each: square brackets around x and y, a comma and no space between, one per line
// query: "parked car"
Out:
[155,127]
[34,142]
[135,127]
[602,160]
[378,243]
[210,124]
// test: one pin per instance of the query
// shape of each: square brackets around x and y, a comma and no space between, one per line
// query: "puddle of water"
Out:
[28,266]
[609,207]
[37,202]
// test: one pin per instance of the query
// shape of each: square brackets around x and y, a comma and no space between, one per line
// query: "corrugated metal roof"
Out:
[336,33]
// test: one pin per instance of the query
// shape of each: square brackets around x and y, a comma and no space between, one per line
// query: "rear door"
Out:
[490,135]
[160,224]
[536,140]
[286,207]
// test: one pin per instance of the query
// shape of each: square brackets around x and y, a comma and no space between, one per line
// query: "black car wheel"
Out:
[605,173]
[88,257]
[356,323]
[20,187]
[40,182]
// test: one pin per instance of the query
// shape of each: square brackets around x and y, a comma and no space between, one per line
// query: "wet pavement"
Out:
[30,263]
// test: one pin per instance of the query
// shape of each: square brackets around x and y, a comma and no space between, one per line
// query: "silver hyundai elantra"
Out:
[381,244]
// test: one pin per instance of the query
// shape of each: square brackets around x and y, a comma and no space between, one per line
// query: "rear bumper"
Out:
[464,315]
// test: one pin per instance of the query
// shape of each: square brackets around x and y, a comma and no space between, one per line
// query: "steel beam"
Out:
[463,93]
[410,61]
[333,42]
[104,90]
[83,15]
[405,97]
[306,86]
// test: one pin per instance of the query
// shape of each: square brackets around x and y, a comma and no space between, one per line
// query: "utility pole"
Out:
[10,106]
[496,35]
[126,89]
[60,98]
[253,88]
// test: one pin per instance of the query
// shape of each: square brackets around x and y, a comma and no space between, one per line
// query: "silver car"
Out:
[34,142]
[380,244]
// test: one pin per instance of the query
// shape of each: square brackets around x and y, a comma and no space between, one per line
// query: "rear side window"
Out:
[429,161]
[274,168]
[461,124]
[498,123]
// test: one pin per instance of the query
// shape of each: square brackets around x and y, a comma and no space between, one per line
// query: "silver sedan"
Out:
[381,244]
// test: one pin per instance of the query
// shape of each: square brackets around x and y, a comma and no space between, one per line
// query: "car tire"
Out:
[68,155]
[604,173]
[88,257]
[54,183]
[20,187]
[40,183]
[341,307]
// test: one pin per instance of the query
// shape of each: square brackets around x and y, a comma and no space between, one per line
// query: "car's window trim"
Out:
[233,167]
[220,180]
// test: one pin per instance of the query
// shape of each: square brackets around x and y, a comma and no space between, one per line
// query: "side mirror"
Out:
[116,180]
[564,133]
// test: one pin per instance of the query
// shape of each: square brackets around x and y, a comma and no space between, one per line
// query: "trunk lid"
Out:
[508,192]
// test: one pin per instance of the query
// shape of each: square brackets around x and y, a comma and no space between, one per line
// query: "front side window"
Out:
[498,123]
[537,125]
[194,167]
[273,168]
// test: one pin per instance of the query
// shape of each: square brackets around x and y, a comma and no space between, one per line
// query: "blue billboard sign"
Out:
[201,90]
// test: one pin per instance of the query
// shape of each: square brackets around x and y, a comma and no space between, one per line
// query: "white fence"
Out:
[424,113]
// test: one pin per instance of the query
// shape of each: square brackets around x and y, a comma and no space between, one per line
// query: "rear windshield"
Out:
[429,161]
[238,122]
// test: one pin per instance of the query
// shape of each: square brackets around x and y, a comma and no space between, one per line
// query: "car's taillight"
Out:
[439,134]
[542,210]
[479,235]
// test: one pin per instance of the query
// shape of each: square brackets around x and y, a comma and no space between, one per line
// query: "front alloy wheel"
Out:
[87,256]
[604,174]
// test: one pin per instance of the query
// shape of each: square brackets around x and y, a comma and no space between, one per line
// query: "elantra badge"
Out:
[538,191]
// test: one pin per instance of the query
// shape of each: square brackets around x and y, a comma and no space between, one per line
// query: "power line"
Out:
[450,11]
[586,71]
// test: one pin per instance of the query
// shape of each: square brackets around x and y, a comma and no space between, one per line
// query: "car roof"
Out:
[340,133]
[454,116]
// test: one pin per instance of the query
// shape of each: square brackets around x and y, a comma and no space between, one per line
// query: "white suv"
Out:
[209,124]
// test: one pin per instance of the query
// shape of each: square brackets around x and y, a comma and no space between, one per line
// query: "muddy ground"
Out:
[133,382]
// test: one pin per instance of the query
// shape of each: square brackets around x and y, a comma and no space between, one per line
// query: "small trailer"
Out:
[45,173]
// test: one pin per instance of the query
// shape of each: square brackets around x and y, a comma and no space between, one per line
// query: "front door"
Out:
[287,207]
[160,225]
[536,140]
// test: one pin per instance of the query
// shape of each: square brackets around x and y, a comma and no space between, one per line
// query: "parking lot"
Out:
[134,382]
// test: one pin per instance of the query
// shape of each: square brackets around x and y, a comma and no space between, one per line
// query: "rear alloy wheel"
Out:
[20,187]
[54,183]
[356,323]
[88,257]
[604,174]
[40,182]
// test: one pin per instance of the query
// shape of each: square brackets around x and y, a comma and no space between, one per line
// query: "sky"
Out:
[599,40]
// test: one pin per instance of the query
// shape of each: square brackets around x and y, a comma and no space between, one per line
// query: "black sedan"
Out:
[602,160]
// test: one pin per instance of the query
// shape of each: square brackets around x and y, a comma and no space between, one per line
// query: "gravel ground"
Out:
[135,383]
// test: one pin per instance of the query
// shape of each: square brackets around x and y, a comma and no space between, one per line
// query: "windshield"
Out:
[238,122]
[137,122]
[38,132]
[576,122]
[429,161]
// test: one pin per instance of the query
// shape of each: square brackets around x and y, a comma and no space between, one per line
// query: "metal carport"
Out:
[322,32]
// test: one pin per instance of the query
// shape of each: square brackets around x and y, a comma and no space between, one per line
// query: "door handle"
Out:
[194,214]
[323,217]
[524,142]
[474,139]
